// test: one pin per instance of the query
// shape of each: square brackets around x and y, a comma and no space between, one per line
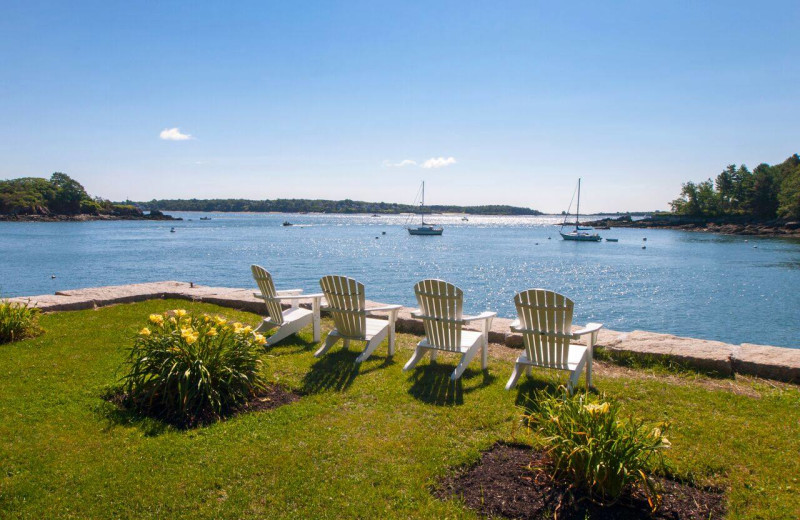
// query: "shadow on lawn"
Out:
[120,416]
[337,370]
[431,384]
[290,346]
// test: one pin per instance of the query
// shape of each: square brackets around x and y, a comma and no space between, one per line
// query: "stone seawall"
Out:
[778,363]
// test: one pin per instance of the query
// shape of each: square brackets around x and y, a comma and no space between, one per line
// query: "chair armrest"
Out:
[588,329]
[385,308]
[482,316]
[291,296]
[289,292]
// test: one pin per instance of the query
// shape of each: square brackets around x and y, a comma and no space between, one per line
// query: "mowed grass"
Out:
[361,443]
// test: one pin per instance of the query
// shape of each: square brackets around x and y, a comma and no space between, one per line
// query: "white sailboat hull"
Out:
[425,230]
[581,237]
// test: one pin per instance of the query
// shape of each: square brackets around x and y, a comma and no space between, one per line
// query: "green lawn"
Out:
[361,443]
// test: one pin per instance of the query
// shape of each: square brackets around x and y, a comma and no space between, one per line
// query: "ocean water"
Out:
[733,289]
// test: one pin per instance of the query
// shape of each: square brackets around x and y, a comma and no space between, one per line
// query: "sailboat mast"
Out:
[578,210]
[422,204]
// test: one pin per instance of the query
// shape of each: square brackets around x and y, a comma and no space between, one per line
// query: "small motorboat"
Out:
[612,240]
[287,223]
[172,230]
[465,219]
[205,218]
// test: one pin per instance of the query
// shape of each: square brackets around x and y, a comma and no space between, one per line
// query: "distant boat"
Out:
[374,214]
[578,234]
[465,219]
[425,229]
[612,240]
[205,218]
[287,223]
[172,230]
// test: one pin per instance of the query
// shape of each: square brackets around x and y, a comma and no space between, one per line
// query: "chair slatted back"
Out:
[546,318]
[441,305]
[346,304]
[267,288]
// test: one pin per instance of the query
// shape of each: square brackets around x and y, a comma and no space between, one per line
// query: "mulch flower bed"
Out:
[515,482]
[272,396]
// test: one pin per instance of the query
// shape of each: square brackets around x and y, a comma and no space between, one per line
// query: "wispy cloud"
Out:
[405,162]
[174,134]
[439,162]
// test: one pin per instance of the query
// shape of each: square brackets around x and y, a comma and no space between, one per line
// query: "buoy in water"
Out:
[383,232]
[172,230]
[644,247]
[52,277]
[644,239]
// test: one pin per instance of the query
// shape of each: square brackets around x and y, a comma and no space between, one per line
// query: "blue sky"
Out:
[512,100]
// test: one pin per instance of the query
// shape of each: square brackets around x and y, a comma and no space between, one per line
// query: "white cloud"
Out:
[404,162]
[174,134]
[439,162]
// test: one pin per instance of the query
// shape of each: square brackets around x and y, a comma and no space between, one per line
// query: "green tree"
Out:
[68,194]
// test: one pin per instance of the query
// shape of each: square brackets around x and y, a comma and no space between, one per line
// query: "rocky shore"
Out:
[153,215]
[725,226]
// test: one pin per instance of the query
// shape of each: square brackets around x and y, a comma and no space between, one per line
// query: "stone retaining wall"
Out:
[769,362]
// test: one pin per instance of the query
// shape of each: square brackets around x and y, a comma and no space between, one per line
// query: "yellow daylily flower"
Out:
[220,321]
[259,339]
[180,312]
[144,332]
[211,332]
[157,319]
[597,409]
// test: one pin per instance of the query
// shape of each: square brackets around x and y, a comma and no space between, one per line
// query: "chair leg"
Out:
[434,354]
[485,354]
[371,346]
[281,334]
[465,359]
[329,342]
[315,324]
[265,326]
[419,353]
[529,370]
[512,382]
[573,381]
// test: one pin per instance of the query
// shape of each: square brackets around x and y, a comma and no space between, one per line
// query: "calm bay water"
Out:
[690,284]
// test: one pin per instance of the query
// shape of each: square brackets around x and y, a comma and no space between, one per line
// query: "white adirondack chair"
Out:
[440,305]
[347,307]
[545,321]
[291,320]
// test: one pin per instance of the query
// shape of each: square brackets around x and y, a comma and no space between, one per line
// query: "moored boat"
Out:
[425,229]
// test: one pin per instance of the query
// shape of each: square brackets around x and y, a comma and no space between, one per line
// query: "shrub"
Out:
[18,321]
[190,369]
[596,449]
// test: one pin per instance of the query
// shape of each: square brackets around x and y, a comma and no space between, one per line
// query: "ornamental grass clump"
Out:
[18,321]
[189,369]
[596,449]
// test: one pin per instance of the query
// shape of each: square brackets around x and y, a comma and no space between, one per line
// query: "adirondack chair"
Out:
[440,309]
[545,321]
[291,320]
[347,307]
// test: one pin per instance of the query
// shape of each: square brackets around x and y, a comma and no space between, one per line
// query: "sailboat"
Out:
[424,229]
[579,234]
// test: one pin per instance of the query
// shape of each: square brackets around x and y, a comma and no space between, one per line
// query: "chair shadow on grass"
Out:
[551,381]
[337,369]
[294,344]
[431,383]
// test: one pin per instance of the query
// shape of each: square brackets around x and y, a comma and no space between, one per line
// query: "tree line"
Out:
[59,195]
[324,206]
[766,193]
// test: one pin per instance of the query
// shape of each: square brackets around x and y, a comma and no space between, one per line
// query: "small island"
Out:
[765,202]
[62,199]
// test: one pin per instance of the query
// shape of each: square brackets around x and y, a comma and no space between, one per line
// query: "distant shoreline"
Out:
[722,225]
[82,218]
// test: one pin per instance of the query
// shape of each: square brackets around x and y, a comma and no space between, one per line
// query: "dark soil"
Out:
[515,482]
[273,396]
